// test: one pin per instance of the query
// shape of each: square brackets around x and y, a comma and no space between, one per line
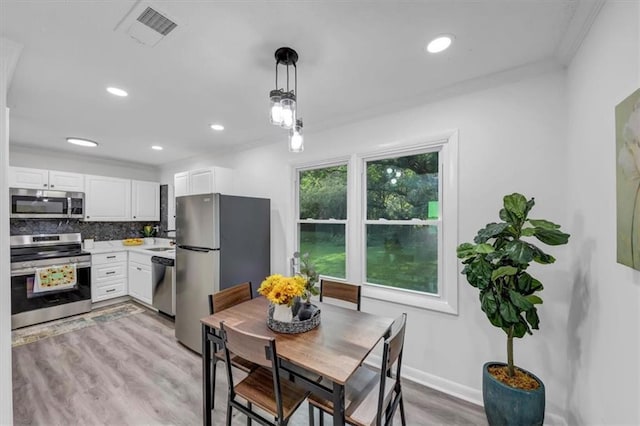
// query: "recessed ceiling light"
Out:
[217,127]
[82,142]
[117,92]
[157,148]
[439,43]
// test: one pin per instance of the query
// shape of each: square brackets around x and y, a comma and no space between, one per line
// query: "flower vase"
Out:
[282,313]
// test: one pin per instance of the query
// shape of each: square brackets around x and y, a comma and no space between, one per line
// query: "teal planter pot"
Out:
[505,405]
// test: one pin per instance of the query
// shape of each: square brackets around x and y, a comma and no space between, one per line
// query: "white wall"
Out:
[602,336]
[86,164]
[512,138]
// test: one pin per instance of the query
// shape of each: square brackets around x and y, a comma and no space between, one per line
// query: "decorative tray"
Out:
[295,326]
[132,242]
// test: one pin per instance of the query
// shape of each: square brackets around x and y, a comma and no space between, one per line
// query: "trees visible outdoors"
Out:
[402,253]
[323,201]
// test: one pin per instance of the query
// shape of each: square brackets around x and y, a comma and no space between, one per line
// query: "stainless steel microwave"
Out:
[45,204]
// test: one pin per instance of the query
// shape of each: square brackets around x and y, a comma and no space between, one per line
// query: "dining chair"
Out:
[371,396]
[218,302]
[262,387]
[341,290]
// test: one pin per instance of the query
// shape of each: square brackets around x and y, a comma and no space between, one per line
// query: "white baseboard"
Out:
[465,393]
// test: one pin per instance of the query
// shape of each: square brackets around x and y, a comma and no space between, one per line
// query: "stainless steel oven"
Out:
[45,204]
[33,254]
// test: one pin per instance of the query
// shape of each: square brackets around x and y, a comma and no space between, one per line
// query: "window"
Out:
[322,218]
[403,222]
[401,234]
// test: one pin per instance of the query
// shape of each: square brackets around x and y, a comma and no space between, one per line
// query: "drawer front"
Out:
[114,289]
[143,259]
[106,258]
[109,272]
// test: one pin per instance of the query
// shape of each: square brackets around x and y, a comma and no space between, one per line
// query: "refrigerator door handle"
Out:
[198,249]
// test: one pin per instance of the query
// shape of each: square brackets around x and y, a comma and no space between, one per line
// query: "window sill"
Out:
[410,298]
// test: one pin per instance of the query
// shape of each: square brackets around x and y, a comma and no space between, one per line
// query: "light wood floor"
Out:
[131,371]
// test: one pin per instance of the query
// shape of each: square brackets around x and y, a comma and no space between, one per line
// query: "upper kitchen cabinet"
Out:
[111,199]
[145,201]
[107,199]
[204,181]
[22,177]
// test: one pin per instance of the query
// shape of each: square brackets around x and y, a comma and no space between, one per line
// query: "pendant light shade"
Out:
[296,139]
[276,108]
[288,104]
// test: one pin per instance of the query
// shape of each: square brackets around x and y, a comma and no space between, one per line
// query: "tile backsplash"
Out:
[100,231]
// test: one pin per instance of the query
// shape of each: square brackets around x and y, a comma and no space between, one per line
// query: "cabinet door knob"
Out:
[45,184]
[52,186]
[134,217]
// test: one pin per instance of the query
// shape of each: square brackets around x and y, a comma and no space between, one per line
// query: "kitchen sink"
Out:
[161,249]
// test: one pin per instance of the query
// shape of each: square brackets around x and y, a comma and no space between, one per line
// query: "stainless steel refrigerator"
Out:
[221,240]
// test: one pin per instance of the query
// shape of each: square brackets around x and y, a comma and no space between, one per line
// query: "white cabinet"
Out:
[108,275]
[140,283]
[145,201]
[181,184]
[110,199]
[107,199]
[22,177]
[204,181]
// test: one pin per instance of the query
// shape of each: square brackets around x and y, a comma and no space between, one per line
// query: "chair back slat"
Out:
[395,342]
[230,297]
[251,347]
[341,291]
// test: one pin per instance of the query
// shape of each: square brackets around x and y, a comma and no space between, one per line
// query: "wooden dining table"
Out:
[334,350]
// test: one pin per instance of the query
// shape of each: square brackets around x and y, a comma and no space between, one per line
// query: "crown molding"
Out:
[585,14]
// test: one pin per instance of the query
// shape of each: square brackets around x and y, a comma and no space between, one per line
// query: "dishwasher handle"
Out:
[163,261]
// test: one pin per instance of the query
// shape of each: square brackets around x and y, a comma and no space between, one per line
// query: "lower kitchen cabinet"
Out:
[108,275]
[140,283]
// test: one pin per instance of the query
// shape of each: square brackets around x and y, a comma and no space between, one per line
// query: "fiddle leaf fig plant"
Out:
[496,264]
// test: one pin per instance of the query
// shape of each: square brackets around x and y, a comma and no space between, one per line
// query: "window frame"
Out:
[341,161]
[446,142]
[407,222]
[446,300]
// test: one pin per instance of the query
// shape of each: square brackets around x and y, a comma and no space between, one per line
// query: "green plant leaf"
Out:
[516,204]
[536,285]
[553,237]
[530,204]
[541,257]
[484,248]
[520,328]
[503,271]
[478,273]
[520,301]
[532,318]
[523,283]
[519,251]
[466,250]
[534,299]
[490,231]
[508,217]
[544,224]
[508,312]
[528,232]
[488,302]
[496,319]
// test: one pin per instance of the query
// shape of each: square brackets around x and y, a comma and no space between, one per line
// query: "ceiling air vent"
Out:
[156,21]
[146,24]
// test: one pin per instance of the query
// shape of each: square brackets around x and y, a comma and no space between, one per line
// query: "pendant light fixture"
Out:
[283,99]
[296,141]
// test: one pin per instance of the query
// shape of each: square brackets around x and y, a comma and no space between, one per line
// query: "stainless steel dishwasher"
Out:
[164,284]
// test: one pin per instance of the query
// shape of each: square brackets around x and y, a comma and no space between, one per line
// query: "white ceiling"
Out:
[357,58]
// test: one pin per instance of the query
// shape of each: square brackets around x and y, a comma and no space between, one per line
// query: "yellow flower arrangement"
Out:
[282,290]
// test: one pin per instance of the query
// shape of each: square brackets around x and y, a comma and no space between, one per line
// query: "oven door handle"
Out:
[32,271]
